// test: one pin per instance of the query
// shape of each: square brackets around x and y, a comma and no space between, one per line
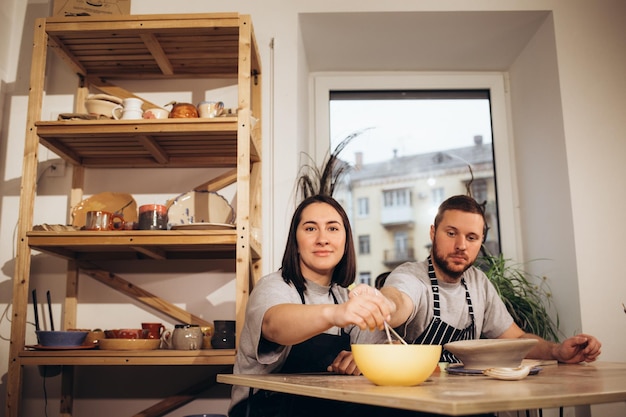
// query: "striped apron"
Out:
[438,331]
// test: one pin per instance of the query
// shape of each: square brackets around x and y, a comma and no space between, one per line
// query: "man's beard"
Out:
[440,261]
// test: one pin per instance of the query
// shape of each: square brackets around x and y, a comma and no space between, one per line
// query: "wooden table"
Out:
[455,395]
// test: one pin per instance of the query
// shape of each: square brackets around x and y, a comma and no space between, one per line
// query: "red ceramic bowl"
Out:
[126,333]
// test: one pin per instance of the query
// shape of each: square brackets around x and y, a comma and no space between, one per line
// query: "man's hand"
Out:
[579,348]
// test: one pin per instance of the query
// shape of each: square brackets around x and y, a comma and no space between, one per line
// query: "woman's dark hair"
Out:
[345,271]
[462,203]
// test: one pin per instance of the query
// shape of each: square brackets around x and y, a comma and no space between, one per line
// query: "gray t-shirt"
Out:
[490,314]
[259,356]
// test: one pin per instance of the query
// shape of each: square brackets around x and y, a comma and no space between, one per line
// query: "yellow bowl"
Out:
[399,365]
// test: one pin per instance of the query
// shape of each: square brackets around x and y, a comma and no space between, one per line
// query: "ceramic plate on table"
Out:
[117,203]
[41,347]
[129,344]
[199,207]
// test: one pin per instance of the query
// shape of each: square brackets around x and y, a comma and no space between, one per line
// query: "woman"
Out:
[303,318]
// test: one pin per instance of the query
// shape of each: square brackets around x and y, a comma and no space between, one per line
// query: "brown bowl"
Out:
[491,353]
[127,334]
[183,110]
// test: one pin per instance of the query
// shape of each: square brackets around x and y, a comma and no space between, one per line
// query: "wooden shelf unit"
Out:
[101,50]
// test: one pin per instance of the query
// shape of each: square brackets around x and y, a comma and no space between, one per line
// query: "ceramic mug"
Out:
[210,108]
[155,330]
[103,220]
[129,110]
[186,337]
[224,334]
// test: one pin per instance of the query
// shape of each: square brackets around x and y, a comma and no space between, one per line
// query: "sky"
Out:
[408,126]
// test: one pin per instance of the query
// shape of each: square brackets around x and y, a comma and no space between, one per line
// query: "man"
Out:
[446,298]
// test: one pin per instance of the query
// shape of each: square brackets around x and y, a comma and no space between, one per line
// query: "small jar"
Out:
[152,217]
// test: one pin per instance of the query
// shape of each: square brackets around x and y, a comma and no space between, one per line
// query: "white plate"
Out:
[203,226]
[196,207]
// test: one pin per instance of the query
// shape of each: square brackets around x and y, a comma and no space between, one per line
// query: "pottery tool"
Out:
[35,307]
[50,311]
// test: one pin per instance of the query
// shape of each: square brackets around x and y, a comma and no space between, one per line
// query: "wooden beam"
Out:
[128,288]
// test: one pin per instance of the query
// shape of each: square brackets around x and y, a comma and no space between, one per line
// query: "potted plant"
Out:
[526,296]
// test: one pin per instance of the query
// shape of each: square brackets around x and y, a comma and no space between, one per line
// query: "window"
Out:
[364,245]
[397,198]
[363,204]
[365,278]
[447,166]
[438,196]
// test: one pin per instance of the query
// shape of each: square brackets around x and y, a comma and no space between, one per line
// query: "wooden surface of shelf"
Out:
[136,244]
[145,143]
[150,46]
[128,357]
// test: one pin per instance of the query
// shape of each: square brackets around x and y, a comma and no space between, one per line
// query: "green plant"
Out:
[526,296]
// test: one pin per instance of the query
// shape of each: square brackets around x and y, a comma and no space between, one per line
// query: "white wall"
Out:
[567,94]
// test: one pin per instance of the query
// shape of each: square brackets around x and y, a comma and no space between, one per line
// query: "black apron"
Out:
[312,355]
[438,331]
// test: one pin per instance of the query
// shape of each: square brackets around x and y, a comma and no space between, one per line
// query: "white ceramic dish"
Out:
[199,207]
[491,353]
[203,226]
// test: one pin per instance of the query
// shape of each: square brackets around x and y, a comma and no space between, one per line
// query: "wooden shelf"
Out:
[139,244]
[127,357]
[101,50]
[145,143]
[150,46]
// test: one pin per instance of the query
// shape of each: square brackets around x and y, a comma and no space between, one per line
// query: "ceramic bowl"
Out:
[60,338]
[129,344]
[397,365]
[100,107]
[156,113]
[491,353]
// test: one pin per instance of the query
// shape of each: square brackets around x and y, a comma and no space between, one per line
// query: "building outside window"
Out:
[401,175]
[365,278]
[364,245]
[363,206]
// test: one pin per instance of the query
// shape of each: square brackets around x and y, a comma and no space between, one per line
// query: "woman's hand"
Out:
[344,364]
[366,308]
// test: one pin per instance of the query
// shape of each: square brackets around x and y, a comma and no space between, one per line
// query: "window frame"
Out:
[321,84]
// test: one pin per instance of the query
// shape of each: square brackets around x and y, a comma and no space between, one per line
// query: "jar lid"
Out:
[159,208]
[185,326]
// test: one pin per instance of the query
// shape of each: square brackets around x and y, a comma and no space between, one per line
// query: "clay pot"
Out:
[183,110]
